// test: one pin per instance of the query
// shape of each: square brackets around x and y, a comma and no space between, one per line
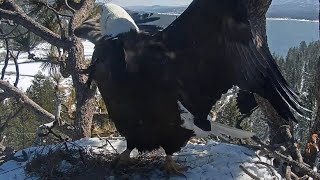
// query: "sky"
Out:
[151,2]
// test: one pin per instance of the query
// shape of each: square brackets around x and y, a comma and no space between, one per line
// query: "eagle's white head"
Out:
[115,20]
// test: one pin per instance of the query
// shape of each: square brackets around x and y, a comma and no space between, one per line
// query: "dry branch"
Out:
[308,171]
[303,167]
[248,172]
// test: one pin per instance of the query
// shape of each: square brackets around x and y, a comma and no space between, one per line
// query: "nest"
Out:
[81,163]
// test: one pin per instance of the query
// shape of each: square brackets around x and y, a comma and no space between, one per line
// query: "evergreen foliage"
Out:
[21,130]
[299,69]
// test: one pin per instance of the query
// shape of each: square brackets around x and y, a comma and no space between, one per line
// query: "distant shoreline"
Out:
[291,19]
[268,18]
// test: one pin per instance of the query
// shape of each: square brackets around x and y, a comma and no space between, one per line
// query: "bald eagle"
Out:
[160,87]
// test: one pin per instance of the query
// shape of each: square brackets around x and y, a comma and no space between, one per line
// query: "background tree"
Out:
[299,69]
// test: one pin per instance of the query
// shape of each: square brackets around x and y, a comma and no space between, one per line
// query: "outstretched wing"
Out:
[217,48]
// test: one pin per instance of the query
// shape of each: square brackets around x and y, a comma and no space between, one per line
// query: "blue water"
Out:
[283,34]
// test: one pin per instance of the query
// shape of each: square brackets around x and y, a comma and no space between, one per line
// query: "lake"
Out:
[283,34]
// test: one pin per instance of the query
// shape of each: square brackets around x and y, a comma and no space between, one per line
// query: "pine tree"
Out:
[299,69]
[53,22]
[22,129]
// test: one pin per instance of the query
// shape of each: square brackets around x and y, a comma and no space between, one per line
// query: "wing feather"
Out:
[263,77]
[222,31]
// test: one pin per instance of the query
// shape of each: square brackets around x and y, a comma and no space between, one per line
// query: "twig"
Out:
[15,60]
[7,34]
[37,60]
[24,75]
[248,172]
[55,11]
[112,147]
[58,14]
[6,61]
[14,37]
[273,172]
[69,7]
[115,150]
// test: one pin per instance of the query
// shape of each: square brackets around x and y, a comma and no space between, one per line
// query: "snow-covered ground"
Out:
[31,69]
[212,160]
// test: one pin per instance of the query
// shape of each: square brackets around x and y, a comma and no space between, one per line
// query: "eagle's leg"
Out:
[123,159]
[172,168]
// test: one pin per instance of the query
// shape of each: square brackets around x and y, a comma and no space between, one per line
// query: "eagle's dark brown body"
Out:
[140,94]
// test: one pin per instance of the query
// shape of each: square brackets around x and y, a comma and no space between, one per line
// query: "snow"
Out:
[25,69]
[212,160]
[33,68]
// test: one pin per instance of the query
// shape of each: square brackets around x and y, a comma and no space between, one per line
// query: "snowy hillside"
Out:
[204,161]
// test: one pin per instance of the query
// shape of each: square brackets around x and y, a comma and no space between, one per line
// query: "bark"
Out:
[76,62]
[84,95]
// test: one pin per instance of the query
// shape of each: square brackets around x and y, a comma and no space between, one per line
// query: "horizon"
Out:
[126,3]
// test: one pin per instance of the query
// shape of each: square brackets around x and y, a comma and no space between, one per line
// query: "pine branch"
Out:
[26,101]
[10,10]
